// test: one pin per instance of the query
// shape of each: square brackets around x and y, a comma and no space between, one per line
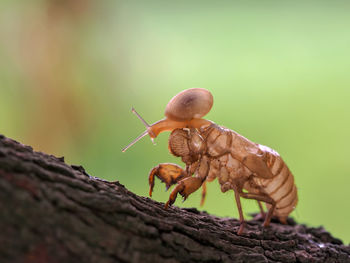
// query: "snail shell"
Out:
[189,104]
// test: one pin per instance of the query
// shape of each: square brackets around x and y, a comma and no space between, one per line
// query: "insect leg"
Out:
[263,198]
[241,217]
[189,185]
[168,173]
[262,212]
[204,193]
[269,214]
[185,187]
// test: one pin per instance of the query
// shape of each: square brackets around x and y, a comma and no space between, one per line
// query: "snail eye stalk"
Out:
[139,116]
[142,134]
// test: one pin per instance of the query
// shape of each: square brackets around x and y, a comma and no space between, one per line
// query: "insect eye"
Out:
[178,143]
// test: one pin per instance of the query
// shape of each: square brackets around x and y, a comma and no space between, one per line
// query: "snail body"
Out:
[185,110]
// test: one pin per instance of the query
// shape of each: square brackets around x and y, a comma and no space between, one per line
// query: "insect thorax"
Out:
[187,144]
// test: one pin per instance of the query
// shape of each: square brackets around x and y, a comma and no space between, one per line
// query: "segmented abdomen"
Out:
[235,157]
[281,187]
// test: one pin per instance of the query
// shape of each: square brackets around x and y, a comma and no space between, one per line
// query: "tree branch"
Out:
[53,212]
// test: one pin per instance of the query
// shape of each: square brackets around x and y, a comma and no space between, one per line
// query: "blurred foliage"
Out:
[279,73]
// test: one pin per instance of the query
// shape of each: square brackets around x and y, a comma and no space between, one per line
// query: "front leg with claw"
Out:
[168,173]
[184,187]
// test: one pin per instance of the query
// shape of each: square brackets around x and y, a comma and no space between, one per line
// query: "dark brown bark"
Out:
[53,212]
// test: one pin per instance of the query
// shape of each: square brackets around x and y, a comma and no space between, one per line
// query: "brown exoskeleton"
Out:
[211,151]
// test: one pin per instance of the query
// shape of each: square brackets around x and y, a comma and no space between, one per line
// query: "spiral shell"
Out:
[189,104]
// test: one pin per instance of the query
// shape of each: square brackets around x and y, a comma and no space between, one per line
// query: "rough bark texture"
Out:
[54,212]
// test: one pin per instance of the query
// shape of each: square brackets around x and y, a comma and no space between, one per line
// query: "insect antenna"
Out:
[141,135]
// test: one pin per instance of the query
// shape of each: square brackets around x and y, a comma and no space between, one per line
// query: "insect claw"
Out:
[167,204]
[240,229]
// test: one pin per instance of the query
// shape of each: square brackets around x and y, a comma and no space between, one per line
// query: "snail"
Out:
[185,110]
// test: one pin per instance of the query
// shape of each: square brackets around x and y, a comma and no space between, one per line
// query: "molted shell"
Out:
[189,104]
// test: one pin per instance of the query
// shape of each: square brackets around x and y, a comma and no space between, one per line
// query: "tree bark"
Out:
[54,212]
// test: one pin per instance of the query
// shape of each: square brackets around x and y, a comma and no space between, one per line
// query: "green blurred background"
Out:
[279,73]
